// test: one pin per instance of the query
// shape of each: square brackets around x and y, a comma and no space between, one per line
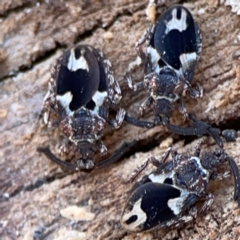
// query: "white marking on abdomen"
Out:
[176,204]
[76,64]
[154,55]
[99,97]
[188,58]
[136,211]
[160,178]
[177,24]
[65,101]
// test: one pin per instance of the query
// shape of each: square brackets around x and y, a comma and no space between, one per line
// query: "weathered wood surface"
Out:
[35,195]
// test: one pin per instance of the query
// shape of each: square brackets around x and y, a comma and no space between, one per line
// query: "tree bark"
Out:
[38,199]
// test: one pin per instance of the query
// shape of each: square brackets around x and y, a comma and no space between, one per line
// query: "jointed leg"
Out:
[102,148]
[207,204]
[66,147]
[134,86]
[198,148]
[182,109]
[119,119]
[196,92]
[148,101]
[217,176]
[153,161]
[143,39]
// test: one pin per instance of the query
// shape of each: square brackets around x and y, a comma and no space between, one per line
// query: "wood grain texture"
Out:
[37,197]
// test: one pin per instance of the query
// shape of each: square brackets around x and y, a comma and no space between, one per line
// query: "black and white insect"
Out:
[173,47]
[82,90]
[167,197]
[172,52]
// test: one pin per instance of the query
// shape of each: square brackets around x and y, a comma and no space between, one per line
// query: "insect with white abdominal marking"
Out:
[167,197]
[82,91]
[173,47]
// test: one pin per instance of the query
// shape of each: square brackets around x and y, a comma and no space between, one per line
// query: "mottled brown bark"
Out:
[34,193]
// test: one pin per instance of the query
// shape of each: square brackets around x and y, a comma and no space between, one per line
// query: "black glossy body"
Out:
[173,47]
[82,90]
[167,196]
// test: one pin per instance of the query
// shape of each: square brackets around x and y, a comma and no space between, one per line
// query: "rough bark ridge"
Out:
[37,199]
